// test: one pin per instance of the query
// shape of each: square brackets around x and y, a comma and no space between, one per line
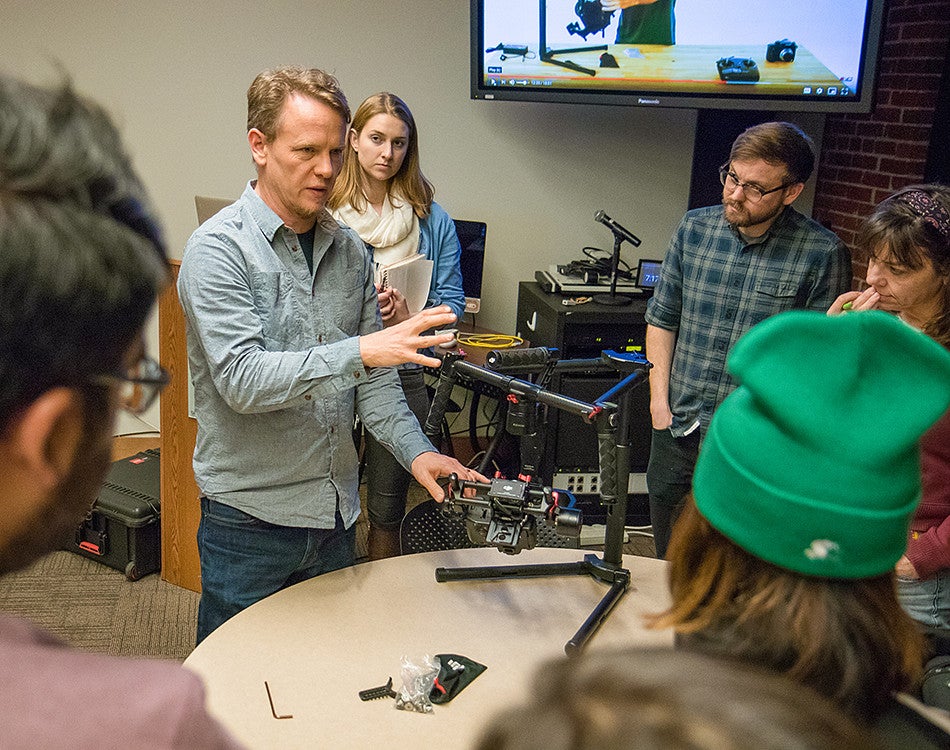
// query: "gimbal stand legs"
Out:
[614,453]
[618,578]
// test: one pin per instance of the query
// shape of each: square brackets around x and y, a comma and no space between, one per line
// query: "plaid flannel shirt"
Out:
[714,286]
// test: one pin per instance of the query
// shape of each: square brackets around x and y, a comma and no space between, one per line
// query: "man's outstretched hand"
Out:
[401,343]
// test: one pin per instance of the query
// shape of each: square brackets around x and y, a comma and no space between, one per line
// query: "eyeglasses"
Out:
[139,386]
[753,193]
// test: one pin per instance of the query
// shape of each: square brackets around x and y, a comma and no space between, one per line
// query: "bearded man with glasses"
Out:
[727,268]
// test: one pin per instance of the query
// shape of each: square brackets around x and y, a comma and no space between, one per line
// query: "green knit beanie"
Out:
[812,463]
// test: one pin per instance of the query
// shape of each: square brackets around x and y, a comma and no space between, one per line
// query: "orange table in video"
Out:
[689,68]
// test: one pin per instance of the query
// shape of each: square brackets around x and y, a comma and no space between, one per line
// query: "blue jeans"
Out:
[927,601]
[386,481]
[669,479]
[244,559]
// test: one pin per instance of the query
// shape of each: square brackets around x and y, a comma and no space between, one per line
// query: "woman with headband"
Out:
[907,239]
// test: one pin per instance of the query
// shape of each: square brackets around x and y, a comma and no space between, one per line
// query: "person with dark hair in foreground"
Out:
[81,264]
[662,699]
[784,556]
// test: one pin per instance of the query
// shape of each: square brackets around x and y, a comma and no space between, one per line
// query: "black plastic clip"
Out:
[383,691]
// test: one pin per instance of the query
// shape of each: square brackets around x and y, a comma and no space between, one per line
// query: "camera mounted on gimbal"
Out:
[595,19]
[507,513]
[593,16]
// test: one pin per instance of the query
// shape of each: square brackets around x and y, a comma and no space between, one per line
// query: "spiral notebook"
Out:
[411,276]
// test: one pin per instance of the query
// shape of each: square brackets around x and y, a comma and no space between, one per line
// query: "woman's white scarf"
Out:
[393,233]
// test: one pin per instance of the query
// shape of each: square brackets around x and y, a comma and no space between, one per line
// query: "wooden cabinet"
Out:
[181,511]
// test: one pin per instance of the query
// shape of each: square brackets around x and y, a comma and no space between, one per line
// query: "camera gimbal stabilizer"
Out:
[507,513]
[593,17]
[548,55]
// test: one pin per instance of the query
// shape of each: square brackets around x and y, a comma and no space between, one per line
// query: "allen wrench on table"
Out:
[270,699]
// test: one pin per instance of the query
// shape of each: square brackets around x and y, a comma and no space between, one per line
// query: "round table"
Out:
[320,642]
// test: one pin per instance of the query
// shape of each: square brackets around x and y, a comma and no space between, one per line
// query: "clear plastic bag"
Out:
[417,680]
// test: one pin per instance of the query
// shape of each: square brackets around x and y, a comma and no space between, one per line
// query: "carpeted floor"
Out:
[95,608]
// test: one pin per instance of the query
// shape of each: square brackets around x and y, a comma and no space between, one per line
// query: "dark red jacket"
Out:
[929,545]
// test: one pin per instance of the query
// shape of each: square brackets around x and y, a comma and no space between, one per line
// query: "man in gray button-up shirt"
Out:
[284,342]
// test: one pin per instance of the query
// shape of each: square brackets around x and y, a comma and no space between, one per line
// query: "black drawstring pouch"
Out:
[454,675]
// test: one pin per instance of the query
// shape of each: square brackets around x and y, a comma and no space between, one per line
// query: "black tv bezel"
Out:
[861,103]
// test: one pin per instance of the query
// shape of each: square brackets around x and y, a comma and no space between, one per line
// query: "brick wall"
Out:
[867,157]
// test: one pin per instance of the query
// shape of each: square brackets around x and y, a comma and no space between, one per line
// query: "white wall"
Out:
[174,74]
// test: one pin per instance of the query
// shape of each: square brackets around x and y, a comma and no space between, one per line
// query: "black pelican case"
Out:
[123,528]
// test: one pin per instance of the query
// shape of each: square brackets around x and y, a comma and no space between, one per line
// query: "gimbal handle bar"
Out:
[454,365]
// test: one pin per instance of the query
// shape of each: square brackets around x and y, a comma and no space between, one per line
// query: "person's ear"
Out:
[354,138]
[792,192]
[258,143]
[46,436]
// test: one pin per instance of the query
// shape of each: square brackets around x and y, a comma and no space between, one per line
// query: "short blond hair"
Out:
[270,89]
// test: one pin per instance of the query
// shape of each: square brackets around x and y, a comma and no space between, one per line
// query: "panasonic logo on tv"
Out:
[648,101]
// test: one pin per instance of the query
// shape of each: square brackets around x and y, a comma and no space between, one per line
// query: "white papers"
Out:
[411,276]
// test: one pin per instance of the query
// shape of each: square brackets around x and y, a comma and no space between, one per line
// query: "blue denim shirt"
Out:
[714,286]
[275,363]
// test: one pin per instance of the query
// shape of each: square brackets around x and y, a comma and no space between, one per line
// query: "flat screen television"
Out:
[807,55]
